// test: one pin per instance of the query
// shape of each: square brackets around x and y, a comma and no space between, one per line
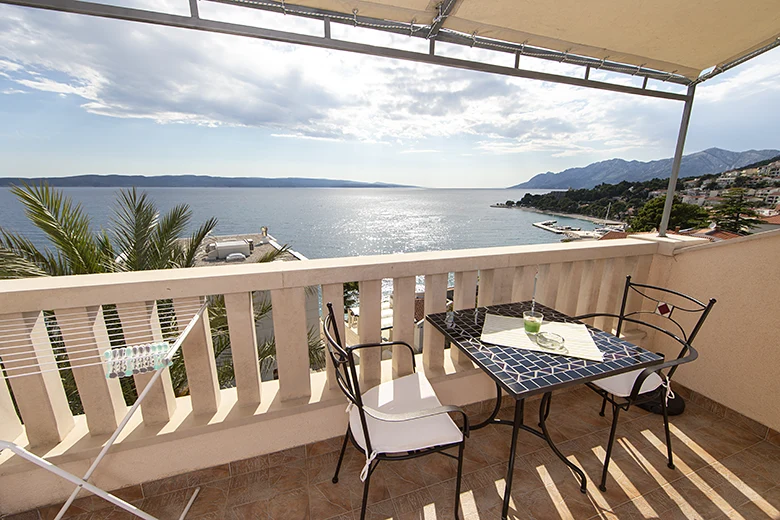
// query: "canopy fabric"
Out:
[681,36]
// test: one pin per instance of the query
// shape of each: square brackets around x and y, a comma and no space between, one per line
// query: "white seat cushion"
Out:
[622,384]
[410,393]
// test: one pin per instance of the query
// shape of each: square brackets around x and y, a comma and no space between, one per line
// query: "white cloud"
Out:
[310,137]
[135,71]
[752,78]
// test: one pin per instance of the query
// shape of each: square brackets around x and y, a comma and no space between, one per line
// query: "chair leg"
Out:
[341,457]
[615,414]
[365,493]
[603,406]
[668,435]
[458,478]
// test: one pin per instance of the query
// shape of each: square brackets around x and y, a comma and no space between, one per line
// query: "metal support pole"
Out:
[686,117]
[194,9]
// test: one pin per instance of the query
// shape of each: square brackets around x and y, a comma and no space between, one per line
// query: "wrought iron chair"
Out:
[640,386]
[396,420]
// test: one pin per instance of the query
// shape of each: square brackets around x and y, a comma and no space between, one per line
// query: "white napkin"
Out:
[510,332]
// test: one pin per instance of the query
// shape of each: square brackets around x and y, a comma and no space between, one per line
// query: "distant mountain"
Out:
[194,181]
[712,160]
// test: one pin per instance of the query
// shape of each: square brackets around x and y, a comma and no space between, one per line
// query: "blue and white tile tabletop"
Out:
[523,373]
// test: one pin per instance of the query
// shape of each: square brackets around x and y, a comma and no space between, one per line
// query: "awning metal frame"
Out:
[433,32]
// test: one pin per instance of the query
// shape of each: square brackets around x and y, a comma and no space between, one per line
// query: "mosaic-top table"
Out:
[524,373]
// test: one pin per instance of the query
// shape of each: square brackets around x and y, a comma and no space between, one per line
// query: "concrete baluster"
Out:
[26,349]
[10,425]
[433,340]
[292,345]
[370,331]
[549,280]
[486,294]
[141,324]
[523,283]
[592,272]
[243,346]
[611,292]
[333,293]
[569,288]
[464,298]
[403,324]
[638,268]
[86,338]
[502,285]
[198,352]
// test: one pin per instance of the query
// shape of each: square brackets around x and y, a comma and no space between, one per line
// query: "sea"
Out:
[332,222]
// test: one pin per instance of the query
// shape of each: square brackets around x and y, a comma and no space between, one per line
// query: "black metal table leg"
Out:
[494,413]
[544,410]
[519,405]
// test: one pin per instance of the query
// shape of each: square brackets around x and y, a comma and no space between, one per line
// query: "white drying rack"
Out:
[119,362]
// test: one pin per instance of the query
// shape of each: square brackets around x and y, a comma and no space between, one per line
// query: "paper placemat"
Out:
[506,331]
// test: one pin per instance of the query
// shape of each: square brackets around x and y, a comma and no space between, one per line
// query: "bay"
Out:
[334,222]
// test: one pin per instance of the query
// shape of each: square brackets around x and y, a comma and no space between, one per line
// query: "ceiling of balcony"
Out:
[667,35]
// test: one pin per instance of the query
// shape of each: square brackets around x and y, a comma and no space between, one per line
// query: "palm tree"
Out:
[142,238]
[77,249]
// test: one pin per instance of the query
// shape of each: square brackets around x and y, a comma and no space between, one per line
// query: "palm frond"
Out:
[65,225]
[24,248]
[106,249]
[273,254]
[195,241]
[316,349]
[13,265]
[135,218]
[166,250]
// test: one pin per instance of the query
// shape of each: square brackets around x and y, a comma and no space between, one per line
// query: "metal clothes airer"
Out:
[118,362]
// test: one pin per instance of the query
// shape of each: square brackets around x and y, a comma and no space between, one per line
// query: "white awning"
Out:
[682,36]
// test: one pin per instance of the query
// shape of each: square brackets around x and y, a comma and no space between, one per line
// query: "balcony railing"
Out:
[213,426]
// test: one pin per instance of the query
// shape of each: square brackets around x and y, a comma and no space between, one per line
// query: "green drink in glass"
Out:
[532,321]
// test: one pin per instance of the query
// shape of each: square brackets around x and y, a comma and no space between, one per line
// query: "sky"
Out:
[86,95]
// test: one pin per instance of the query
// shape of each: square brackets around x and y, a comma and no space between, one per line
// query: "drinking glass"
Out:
[532,321]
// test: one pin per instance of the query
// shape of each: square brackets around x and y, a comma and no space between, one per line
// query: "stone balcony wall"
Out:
[212,426]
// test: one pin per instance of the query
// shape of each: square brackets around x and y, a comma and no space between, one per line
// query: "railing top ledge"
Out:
[33,294]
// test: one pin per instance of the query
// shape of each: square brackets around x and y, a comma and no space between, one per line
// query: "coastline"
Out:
[575,216]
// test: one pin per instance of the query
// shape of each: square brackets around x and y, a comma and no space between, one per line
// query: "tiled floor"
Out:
[722,471]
